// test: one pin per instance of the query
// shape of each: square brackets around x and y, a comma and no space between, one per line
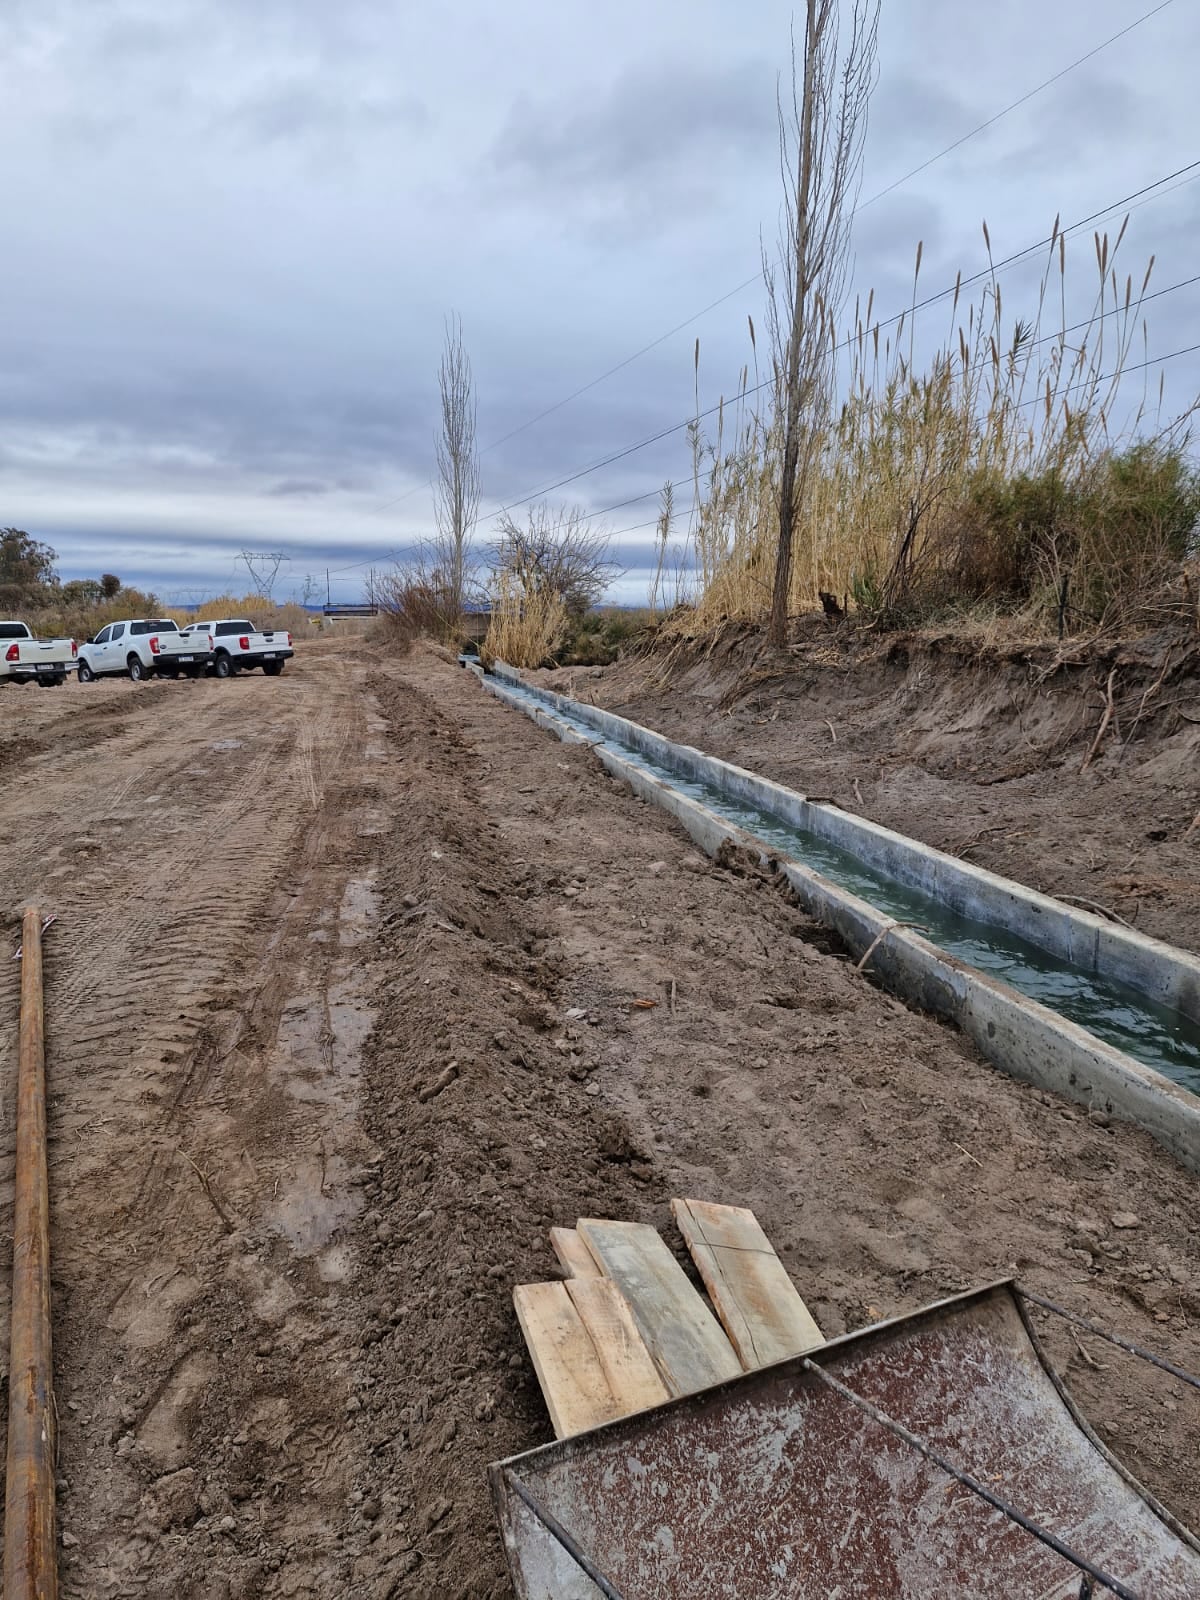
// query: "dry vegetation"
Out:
[1011,466]
[527,625]
[1013,472]
[547,575]
[263,613]
[421,599]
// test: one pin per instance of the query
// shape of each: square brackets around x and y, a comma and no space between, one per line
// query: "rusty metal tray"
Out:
[775,1484]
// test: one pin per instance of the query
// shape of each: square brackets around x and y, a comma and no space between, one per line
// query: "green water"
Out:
[1121,1015]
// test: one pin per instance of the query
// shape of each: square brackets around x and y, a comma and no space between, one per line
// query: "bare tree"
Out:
[456,491]
[557,551]
[821,138]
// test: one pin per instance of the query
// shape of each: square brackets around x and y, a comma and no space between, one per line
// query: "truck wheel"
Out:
[136,670]
[86,675]
[52,683]
[193,672]
[272,669]
[223,667]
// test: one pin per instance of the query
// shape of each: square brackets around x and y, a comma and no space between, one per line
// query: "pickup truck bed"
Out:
[237,646]
[24,659]
[142,647]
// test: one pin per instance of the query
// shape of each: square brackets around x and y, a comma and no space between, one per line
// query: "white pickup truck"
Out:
[142,647]
[24,659]
[238,646]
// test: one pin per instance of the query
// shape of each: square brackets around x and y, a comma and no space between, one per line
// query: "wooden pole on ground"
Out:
[30,1557]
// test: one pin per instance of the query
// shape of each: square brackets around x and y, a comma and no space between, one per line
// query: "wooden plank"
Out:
[576,1391]
[574,1257]
[620,1348]
[681,1334]
[757,1302]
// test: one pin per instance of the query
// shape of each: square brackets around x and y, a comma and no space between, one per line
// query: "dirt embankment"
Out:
[979,752]
[361,1029]
[529,902]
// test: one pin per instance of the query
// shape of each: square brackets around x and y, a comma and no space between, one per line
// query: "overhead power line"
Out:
[747,283]
[1154,361]
[1015,104]
[862,206]
[743,394]
[943,294]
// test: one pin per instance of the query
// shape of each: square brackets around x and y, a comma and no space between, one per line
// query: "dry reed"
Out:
[527,624]
[1011,469]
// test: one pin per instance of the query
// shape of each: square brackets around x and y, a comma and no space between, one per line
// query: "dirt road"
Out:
[340,1022]
[207,849]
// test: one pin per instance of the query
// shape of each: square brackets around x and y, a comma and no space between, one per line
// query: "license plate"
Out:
[185,658]
[268,655]
[47,666]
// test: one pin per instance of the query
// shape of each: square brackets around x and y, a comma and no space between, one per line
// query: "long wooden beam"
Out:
[30,1556]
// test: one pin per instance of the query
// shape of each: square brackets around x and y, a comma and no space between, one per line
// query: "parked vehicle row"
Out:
[145,647]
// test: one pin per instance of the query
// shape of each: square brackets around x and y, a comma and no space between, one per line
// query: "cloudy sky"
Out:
[233,231]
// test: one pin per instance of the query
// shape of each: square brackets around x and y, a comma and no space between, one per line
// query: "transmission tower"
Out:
[263,567]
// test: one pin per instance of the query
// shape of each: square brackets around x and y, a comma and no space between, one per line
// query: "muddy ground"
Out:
[340,1021]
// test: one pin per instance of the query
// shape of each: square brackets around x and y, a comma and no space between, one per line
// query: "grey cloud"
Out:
[196,69]
[227,420]
[1091,107]
[232,238]
[1086,114]
[913,115]
[304,108]
[670,126]
[170,568]
[887,235]
[303,488]
[132,35]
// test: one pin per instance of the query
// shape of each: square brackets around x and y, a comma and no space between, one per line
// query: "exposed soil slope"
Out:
[977,752]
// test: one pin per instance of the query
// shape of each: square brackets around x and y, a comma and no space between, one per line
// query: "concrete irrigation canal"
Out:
[1058,996]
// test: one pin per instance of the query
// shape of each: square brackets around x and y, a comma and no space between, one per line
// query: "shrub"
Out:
[526,628]
[599,638]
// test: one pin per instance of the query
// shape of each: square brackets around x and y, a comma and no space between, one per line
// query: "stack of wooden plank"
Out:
[626,1330]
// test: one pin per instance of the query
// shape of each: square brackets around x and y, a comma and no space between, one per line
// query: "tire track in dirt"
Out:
[170,1113]
[61,751]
